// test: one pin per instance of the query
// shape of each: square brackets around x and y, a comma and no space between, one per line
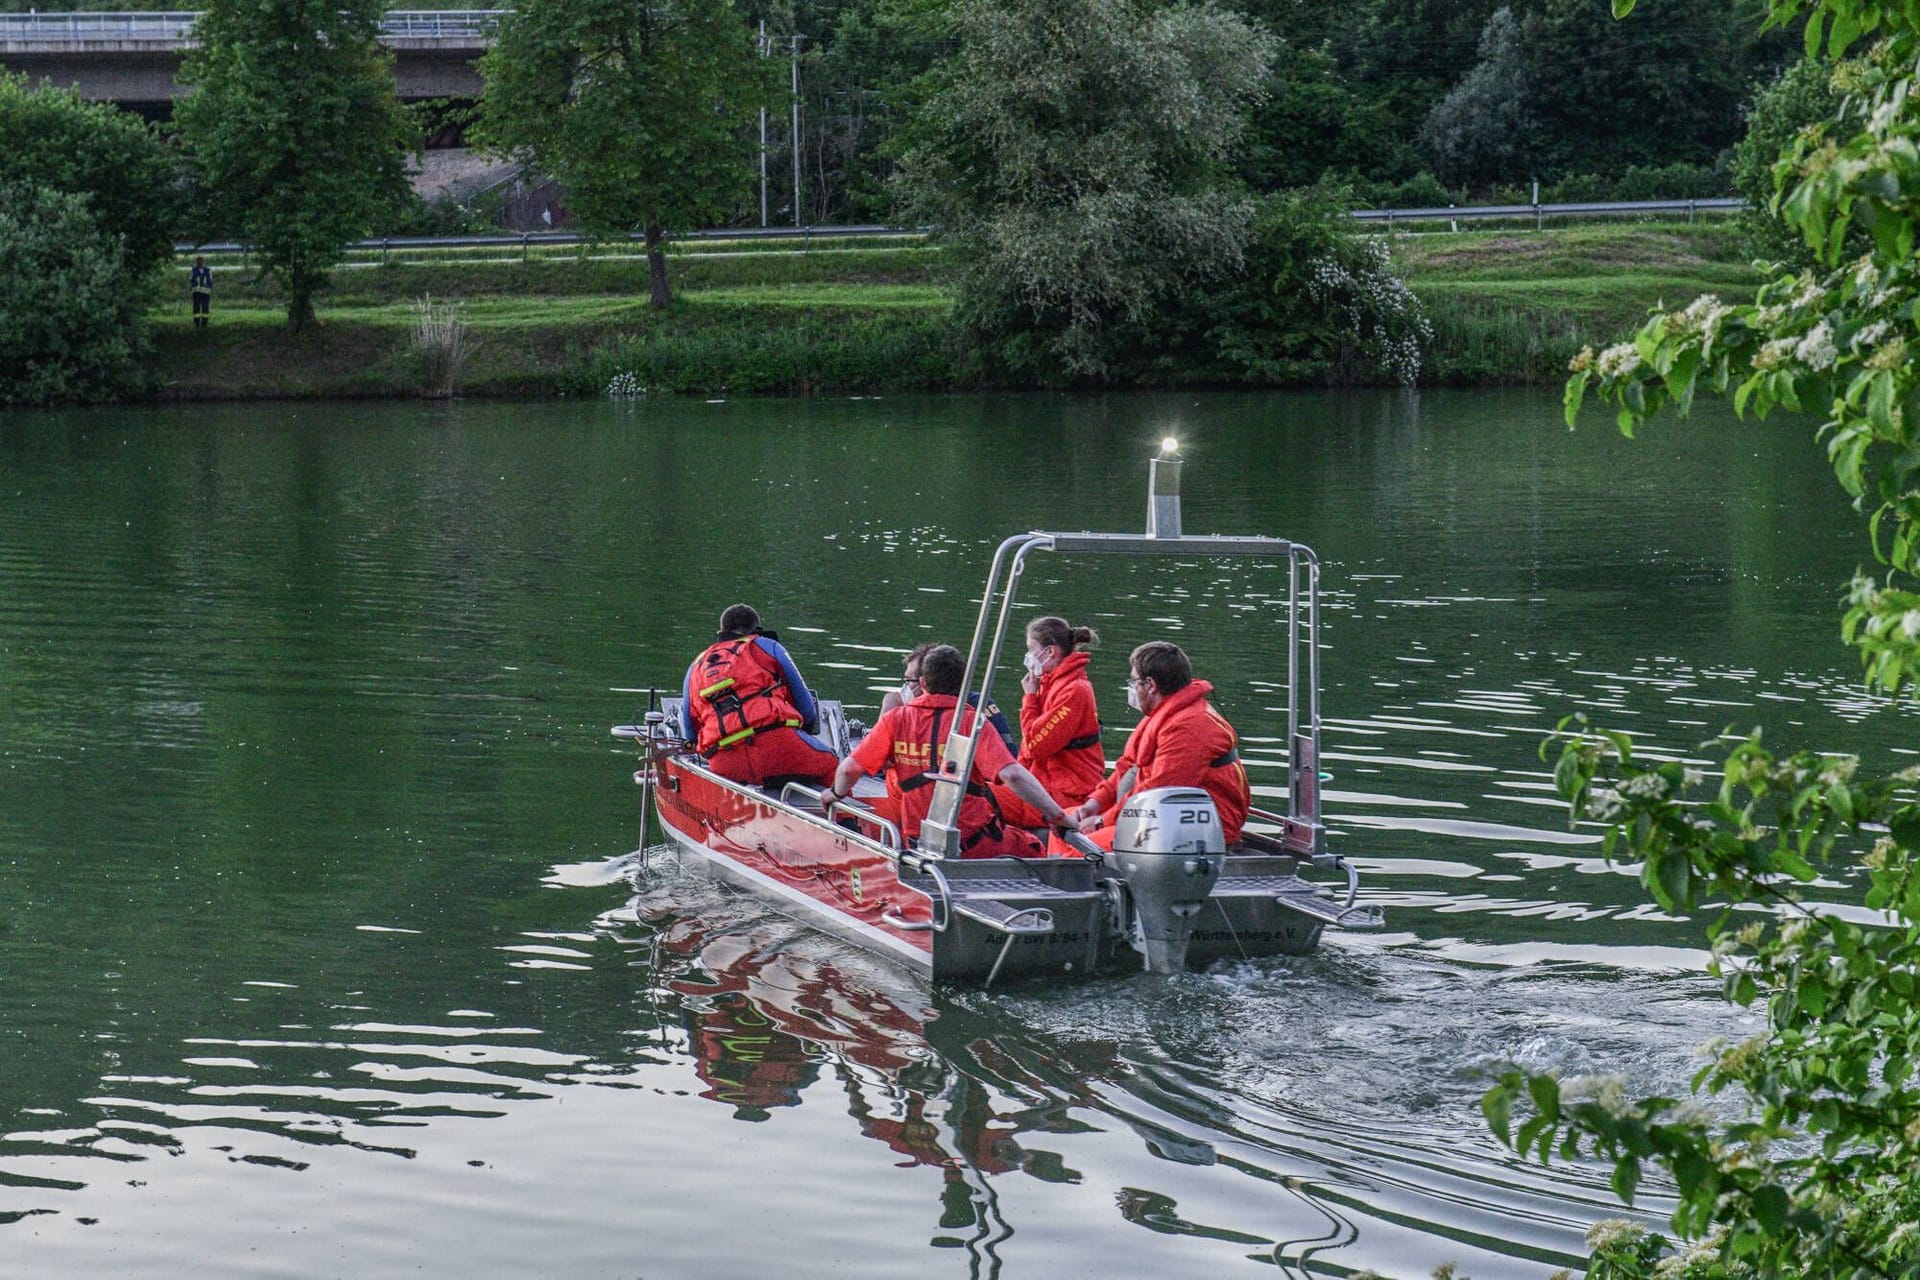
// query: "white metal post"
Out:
[795,59]
[763,134]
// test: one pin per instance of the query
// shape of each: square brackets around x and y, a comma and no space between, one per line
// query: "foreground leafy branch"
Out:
[1816,1176]
[1818,1179]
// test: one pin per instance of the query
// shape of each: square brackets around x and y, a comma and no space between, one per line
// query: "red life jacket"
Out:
[737,690]
[919,749]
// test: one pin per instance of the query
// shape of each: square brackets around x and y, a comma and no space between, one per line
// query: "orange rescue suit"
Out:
[1184,743]
[1060,733]
[912,740]
[736,690]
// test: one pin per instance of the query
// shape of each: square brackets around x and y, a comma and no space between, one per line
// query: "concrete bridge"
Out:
[133,58]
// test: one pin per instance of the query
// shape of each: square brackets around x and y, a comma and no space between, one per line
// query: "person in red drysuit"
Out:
[1181,742]
[912,740]
[1059,716]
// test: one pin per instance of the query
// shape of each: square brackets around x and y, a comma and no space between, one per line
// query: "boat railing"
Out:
[1162,536]
[940,901]
[1300,836]
[831,806]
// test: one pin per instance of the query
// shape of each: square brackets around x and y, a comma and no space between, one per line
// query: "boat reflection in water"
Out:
[770,1016]
[1186,1109]
[774,1014]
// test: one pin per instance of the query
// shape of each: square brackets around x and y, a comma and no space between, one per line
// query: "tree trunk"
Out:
[657,269]
[299,310]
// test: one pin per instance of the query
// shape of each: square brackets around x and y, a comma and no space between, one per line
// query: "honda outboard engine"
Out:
[1169,847]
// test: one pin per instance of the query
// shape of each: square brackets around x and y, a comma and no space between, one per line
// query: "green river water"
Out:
[326,948]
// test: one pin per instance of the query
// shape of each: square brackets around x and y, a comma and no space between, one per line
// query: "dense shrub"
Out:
[1422,191]
[1678,181]
[69,310]
[1316,303]
[53,139]
[1802,96]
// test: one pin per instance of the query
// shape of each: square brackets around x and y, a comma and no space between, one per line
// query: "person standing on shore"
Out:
[200,285]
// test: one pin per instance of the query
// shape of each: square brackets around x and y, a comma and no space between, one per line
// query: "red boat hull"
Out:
[838,878]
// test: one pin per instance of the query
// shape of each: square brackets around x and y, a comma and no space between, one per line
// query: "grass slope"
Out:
[1507,307]
[1515,307]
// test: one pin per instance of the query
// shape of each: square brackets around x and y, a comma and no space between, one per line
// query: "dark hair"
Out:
[1163,663]
[739,620]
[941,669]
[918,653]
[1056,632]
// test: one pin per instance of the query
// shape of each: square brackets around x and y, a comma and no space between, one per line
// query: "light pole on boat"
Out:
[1163,491]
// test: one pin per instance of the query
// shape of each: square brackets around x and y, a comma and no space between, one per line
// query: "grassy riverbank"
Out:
[1512,308]
[1507,308]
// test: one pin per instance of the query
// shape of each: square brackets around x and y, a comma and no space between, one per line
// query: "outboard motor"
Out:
[1169,846]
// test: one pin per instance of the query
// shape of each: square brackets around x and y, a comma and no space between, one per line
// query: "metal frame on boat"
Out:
[1170,892]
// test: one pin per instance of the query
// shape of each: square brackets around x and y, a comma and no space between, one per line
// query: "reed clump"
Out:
[440,340]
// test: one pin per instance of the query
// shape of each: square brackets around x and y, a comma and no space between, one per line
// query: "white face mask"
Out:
[909,690]
[1133,696]
[1036,664]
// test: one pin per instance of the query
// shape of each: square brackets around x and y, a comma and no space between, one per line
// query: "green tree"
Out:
[1816,1178]
[296,133]
[52,138]
[1801,97]
[1074,152]
[640,111]
[69,311]
[1315,303]
[1560,89]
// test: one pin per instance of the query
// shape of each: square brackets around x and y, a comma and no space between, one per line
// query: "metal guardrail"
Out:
[1540,212]
[177,28]
[546,239]
[525,241]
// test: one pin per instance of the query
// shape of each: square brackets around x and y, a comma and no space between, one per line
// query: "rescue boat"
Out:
[1170,896]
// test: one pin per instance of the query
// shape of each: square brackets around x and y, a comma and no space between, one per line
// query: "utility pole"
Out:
[763,134]
[794,58]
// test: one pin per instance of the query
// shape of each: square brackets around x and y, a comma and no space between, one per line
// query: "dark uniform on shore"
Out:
[200,284]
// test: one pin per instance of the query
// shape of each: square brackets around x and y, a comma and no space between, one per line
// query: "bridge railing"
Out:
[440,24]
[177,28]
[29,27]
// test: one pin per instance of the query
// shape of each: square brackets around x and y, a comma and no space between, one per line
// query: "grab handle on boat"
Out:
[942,903]
[889,831]
[1084,847]
[1353,881]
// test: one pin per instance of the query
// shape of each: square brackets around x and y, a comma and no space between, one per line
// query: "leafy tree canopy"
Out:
[69,311]
[52,138]
[295,131]
[639,111]
[1559,88]
[1075,152]
[1815,1176]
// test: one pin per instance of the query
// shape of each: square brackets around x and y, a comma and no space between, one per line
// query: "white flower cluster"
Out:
[1775,353]
[1604,805]
[1702,316]
[1613,1231]
[1871,336]
[1618,360]
[1645,786]
[1816,350]
[1380,312]
[625,386]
